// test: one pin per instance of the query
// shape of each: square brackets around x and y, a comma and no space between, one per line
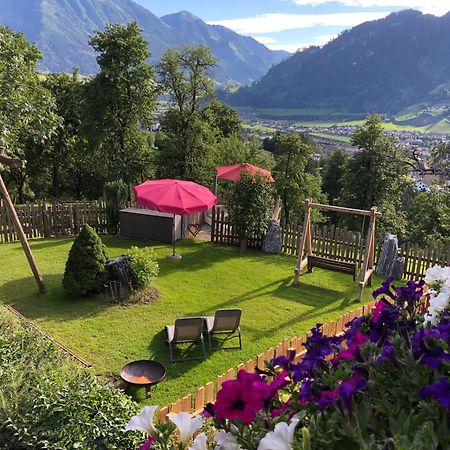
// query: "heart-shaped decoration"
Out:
[194,229]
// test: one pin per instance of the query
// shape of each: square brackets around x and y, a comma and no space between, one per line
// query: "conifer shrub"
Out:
[85,272]
[116,195]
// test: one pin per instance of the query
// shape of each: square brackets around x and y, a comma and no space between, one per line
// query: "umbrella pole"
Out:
[173,236]
[173,255]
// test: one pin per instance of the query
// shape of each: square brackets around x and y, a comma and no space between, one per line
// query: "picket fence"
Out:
[53,219]
[335,243]
[195,403]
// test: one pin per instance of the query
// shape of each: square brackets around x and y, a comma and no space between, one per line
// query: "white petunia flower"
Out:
[280,438]
[225,441]
[144,421]
[437,275]
[186,424]
[438,303]
[200,442]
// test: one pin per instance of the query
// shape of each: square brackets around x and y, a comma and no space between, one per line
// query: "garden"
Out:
[209,277]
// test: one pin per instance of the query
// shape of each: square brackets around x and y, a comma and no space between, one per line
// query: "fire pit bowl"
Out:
[143,373]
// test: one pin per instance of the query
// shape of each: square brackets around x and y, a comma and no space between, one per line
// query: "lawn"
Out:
[207,278]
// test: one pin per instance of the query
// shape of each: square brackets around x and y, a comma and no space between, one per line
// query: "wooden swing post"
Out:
[305,242]
[310,260]
[16,163]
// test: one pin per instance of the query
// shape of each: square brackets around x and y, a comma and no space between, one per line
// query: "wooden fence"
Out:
[195,403]
[336,243]
[56,219]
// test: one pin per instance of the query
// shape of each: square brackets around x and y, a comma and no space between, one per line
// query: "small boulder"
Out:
[398,268]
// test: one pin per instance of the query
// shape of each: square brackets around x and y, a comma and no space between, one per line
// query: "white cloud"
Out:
[323,39]
[436,7]
[274,22]
[291,48]
[265,39]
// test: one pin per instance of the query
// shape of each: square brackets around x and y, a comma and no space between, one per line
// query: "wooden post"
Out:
[23,239]
[369,254]
[304,241]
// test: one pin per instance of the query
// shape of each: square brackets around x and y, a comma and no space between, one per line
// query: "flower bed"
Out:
[383,384]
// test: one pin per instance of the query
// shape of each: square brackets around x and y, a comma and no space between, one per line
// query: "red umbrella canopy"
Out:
[234,171]
[174,196]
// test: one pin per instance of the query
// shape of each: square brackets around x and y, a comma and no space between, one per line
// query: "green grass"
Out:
[442,126]
[207,278]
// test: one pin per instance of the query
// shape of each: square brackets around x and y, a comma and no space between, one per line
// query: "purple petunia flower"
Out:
[348,387]
[425,346]
[383,320]
[328,398]
[242,398]
[352,328]
[147,445]
[286,363]
[387,354]
[305,392]
[353,351]
[439,390]
[280,382]
[411,292]
[384,289]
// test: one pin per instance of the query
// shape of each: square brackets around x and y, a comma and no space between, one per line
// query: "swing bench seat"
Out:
[332,264]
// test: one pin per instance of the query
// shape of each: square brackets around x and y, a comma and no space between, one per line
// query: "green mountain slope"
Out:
[380,66]
[61,29]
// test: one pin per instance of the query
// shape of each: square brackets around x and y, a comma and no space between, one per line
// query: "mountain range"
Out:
[61,30]
[380,66]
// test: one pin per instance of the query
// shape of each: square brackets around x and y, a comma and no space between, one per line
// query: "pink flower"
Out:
[242,398]
[280,382]
[353,351]
[147,445]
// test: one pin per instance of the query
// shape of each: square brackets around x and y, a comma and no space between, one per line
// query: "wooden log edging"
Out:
[194,403]
[59,344]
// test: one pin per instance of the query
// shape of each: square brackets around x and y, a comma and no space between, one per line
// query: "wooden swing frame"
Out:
[14,164]
[305,243]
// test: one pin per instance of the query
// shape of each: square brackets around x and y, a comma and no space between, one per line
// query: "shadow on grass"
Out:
[158,346]
[56,304]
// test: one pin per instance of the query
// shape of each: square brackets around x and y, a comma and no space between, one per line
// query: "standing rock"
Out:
[398,268]
[389,253]
[272,239]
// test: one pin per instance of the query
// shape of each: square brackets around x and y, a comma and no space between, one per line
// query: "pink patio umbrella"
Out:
[234,171]
[175,197]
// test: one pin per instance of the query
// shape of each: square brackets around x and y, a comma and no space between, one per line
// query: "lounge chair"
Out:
[185,330]
[225,321]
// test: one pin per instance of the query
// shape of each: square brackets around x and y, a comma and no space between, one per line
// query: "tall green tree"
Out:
[187,150]
[333,171]
[250,205]
[377,175]
[120,101]
[294,184]
[64,145]
[27,118]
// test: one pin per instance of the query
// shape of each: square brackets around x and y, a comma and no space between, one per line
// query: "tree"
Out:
[250,205]
[429,218]
[27,118]
[333,171]
[223,118]
[120,101]
[116,194]
[440,159]
[293,183]
[187,151]
[376,175]
[85,272]
[64,144]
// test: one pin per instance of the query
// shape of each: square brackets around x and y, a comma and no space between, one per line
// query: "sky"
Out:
[292,24]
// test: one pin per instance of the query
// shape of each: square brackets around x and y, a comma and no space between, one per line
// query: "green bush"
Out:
[85,272]
[116,195]
[143,266]
[48,401]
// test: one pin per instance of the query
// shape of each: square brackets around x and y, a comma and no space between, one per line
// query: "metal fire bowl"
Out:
[143,373]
